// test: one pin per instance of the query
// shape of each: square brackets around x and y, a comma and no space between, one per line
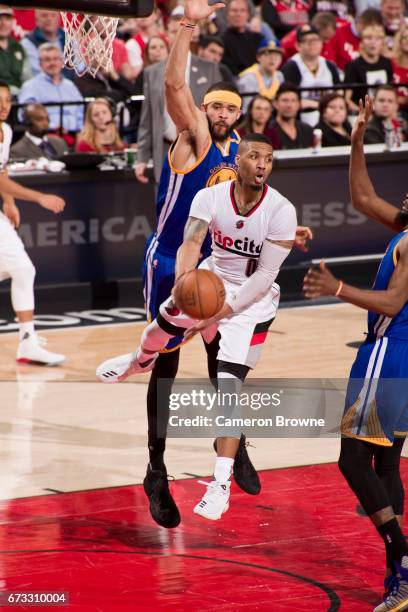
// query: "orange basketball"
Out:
[200,294]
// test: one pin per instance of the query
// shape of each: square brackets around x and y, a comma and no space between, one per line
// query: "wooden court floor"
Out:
[62,430]
[72,519]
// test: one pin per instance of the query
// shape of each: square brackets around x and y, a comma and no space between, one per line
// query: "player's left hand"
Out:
[225,311]
[197,328]
[303,234]
[12,213]
[320,281]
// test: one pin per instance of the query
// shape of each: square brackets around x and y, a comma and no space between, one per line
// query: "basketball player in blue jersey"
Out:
[375,420]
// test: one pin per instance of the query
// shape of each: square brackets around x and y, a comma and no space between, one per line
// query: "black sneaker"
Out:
[162,506]
[244,472]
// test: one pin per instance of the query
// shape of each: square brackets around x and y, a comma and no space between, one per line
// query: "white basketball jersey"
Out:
[5,146]
[236,239]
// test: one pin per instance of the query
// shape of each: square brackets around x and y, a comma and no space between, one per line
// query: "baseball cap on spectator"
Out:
[266,45]
[305,30]
[5,10]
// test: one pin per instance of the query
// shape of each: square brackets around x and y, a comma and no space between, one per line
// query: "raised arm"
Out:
[363,195]
[180,103]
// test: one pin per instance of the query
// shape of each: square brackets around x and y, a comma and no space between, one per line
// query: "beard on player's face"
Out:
[220,130]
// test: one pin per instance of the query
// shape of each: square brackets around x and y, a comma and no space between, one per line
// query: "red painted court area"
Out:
[299,546]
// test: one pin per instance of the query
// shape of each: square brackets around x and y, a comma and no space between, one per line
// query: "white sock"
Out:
[26,328]
[223,469]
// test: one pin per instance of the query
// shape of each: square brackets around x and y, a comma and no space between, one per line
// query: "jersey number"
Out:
[251,267]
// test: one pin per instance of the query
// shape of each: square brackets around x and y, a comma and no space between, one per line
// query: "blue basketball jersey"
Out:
[177,189]
[381,325]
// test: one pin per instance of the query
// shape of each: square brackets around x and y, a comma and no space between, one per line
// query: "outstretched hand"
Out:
[365,110]
[196,10]
[320,281]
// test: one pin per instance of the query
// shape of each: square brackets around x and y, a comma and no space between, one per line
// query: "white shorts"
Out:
[12,252]
[242,334]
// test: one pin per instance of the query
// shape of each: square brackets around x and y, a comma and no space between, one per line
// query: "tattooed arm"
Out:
[189,252]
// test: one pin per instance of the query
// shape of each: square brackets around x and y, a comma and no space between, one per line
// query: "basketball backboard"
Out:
[113,8]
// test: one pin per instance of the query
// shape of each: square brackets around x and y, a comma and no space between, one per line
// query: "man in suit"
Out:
[156,129]
[36,143]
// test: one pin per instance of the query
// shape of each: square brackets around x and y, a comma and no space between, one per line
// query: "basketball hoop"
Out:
[90,27]
[88,42]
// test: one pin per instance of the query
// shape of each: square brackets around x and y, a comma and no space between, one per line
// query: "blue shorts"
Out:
[376,408]
[158,281]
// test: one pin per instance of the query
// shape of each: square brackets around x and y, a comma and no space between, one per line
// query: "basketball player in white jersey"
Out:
[253,229]
[14,261]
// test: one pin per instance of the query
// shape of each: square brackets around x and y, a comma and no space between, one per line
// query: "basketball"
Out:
[200,294]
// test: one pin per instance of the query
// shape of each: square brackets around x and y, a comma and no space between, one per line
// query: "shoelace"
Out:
[392,585]
[212,487]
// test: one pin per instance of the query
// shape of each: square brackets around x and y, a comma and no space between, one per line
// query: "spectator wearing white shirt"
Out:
[51,86]
[308,68]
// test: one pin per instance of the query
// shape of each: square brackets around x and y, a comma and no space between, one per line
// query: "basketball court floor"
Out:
[74,517]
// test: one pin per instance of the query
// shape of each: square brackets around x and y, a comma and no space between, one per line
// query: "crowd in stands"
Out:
[278,53]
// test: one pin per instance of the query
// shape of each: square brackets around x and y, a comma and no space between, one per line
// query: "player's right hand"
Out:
[51,202]
[196,10]
[139,171]
[365,110]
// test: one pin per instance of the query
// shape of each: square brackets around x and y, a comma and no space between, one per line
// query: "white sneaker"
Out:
[119,368]
[30,350]
[215,501]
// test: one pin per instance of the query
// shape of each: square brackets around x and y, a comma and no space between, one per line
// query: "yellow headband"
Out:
[228,97]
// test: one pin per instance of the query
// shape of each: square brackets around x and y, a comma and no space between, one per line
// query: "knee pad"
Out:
[234,369]
[22,287]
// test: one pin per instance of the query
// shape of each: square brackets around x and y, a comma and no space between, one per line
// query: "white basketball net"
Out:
[88,42]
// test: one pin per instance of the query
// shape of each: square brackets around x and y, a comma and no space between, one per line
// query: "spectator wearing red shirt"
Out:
[99,134]
[24,22]
[120,60]
[325,24]
[345,44]
[400,67]
[284,15]
[148,27]
[341,9]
